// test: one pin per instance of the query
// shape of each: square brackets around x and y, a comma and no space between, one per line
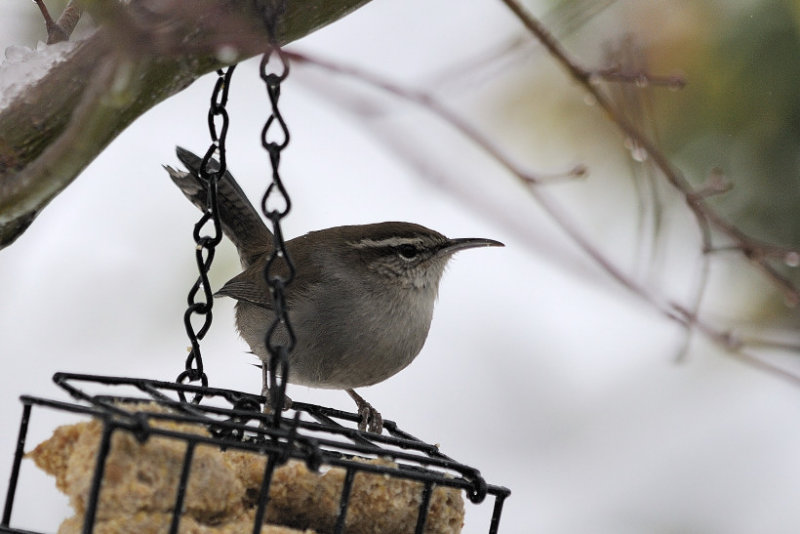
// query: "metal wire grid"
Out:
[326,440]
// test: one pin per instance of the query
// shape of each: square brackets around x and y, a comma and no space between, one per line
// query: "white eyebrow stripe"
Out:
[388,242]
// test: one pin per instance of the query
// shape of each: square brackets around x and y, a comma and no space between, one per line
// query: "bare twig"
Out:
[630,76]
[708,219]
[433,106]
[675,312]
[639,78]
[70,16]
[55,34]
[61,30]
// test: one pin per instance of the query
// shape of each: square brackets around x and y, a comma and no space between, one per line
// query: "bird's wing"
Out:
[248,286]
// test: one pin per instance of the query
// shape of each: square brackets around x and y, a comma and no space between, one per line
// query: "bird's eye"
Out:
[407,252]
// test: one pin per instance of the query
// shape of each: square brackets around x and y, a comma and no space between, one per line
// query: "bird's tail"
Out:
[240,220]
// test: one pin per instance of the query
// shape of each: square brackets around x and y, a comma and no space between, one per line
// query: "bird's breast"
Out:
[353,337]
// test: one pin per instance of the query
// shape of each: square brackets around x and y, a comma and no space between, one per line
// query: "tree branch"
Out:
[142,53]
[708,219]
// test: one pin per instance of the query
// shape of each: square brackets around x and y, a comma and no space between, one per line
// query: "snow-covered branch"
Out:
[142,52]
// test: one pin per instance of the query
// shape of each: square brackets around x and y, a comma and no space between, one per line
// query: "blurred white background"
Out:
[539,370]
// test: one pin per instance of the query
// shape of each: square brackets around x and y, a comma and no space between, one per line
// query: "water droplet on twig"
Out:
[638,152]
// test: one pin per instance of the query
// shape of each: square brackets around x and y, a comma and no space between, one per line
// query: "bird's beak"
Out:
[454,245]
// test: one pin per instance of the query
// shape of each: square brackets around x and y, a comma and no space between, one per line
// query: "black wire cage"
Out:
[321,438]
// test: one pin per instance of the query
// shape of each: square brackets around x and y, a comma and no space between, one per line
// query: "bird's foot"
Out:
[287,402]
[371,418]
[265,392]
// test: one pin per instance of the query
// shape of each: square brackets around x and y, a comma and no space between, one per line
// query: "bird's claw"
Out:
[287,402]
[371,419]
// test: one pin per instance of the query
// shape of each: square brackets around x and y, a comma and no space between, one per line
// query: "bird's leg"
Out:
[287,402]
[265,386]
[370,417]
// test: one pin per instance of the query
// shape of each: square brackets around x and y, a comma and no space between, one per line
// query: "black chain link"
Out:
[279,270]
[206,244]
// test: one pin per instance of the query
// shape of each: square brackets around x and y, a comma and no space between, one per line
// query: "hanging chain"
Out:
[279,270]
[210,173]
